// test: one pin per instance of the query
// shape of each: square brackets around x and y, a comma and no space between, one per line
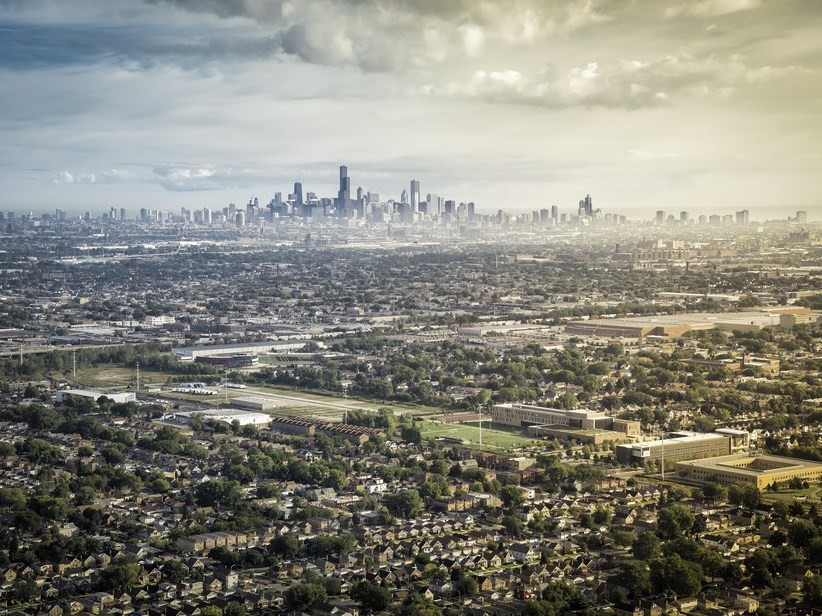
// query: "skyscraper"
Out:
[415,195]
[742,217]
[586,207]
[298,193]
[660,217]
[344,194]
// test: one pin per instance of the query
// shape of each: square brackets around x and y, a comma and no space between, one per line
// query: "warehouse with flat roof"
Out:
[226,415]
[119,397]
[673,325]
[253,349]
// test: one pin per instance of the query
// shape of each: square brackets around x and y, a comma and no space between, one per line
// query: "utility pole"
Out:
[74,364]
[480,429]
[138,377]
[21,353]
[663,456]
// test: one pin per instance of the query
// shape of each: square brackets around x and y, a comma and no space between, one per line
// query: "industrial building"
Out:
[227,415]
[254,403]
[583,425]
[761,470]
[254,349]
[673,326]
[231,360]
[676,446]
[119,398]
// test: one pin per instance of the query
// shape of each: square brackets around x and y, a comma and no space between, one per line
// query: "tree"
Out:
[801,533]
[405,504]
[673,574]
[512,496]
[303,597]
[646,546]
[674,520]
[635,577]
[812,589]
[513,526]
[411,434]
[466,586]
[747,495]
[24,591]
[285,546]
[371,596]
[418,605]
[714,492]
[211,610]
[563,597]
[174,571]
[235,608]
[602,515]
[13,498]
[218,492]
[120,575]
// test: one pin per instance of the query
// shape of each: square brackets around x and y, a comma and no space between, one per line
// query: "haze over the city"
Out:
[708,105]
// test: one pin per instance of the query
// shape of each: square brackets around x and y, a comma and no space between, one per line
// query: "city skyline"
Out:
[411,207]
[517,106]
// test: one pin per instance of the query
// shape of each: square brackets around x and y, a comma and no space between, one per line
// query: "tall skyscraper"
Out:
[554,213]
[344,194]
[298,193]
[586,207]
[801,217]
[683,217]
[660,217]
[415,195]
[742,217]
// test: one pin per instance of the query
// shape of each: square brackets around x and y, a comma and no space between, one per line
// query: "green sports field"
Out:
[492,438]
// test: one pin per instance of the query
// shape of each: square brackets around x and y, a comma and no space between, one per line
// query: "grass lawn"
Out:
[114,376]
[492,438]
[811,494]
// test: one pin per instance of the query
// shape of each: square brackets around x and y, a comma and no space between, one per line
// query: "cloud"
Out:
[582,14]
[640,154]
[177,177]
[711,8]
[392,35]
[628,84]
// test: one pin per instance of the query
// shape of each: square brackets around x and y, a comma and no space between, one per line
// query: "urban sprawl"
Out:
[348,406]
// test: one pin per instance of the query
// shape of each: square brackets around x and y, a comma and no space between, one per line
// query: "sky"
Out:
[708,106]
